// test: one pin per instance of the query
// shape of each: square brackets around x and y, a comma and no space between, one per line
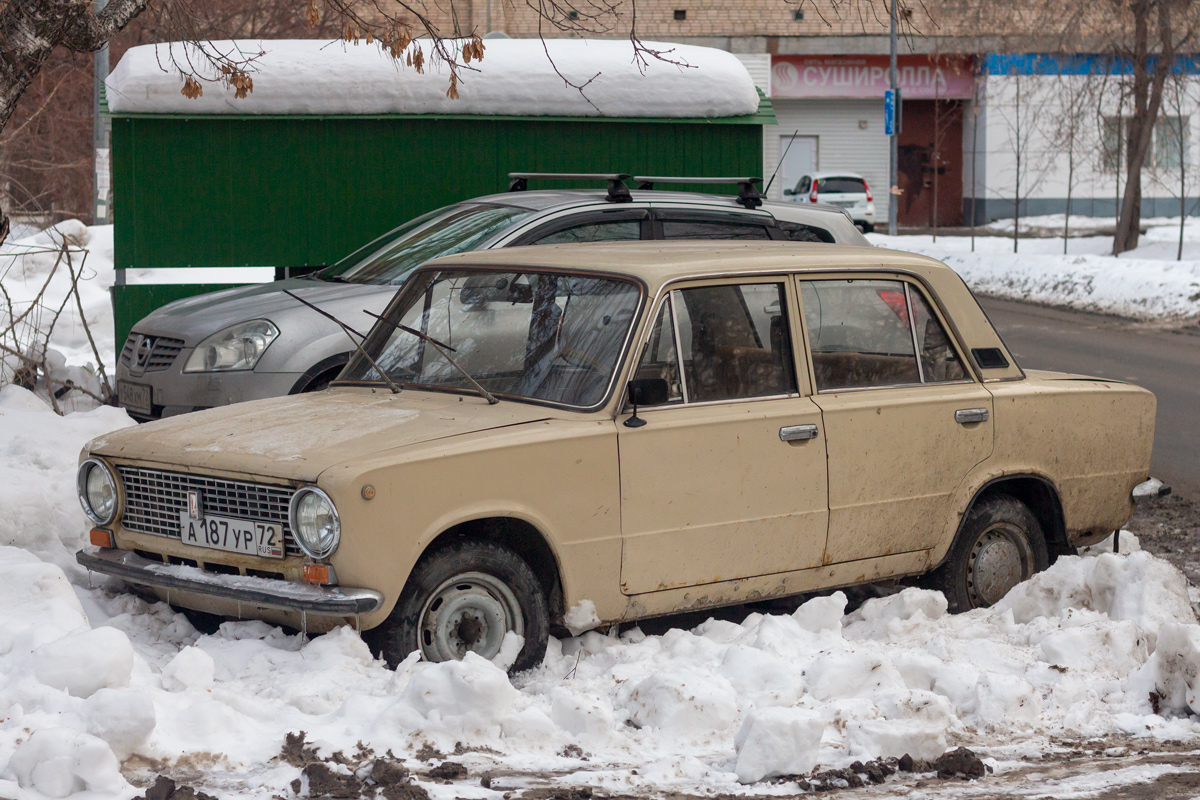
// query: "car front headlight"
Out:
[97,491]
[236,347]
[315,522]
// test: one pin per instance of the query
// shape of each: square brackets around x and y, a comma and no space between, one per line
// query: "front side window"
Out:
[863,333]
[455,229]
[553,337]
[732,342]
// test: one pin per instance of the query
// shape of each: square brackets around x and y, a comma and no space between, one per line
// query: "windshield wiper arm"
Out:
[348,331]
[484,393]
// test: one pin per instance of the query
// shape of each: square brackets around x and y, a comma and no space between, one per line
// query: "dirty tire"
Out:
[1000,544]
[466,596]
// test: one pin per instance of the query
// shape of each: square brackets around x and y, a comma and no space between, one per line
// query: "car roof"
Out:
[659,262]
[547,200]
[835,174]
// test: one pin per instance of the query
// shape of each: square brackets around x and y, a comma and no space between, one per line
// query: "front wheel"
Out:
[1000,544]
[464,598]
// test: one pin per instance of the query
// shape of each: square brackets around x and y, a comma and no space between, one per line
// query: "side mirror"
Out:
[646,392]
[788,193]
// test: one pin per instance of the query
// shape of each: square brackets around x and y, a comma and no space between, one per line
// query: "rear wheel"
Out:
[464,598]
[1000,544]
[868,227]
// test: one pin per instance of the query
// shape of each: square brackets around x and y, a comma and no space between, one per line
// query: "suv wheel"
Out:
[999,545]
[464,598]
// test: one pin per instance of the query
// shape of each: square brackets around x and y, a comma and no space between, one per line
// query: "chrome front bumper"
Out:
[262,592]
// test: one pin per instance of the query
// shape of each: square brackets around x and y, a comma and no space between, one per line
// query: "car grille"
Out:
[163,351]
[154,498]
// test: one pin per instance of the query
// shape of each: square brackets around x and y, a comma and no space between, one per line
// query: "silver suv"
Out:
[256,341]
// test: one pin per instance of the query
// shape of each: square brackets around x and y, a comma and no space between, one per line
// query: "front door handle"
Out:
[797,433]
[965,416]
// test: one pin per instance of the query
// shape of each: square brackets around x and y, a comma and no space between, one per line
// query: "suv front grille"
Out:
[154,499]
[163,351]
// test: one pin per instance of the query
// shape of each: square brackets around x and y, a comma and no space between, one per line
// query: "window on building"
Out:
[1170,142]
[1111,138]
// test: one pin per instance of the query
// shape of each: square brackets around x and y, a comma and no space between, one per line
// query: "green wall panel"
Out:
[290,192]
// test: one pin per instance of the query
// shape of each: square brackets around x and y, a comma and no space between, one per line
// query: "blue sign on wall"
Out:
[889,112]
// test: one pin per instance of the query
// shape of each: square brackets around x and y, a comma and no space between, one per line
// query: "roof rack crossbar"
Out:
[748,194]
[618,192]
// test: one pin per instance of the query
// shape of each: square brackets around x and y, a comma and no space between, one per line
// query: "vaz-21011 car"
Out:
[653,427]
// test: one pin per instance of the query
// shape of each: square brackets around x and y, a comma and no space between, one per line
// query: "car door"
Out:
[904,420]
[728,479]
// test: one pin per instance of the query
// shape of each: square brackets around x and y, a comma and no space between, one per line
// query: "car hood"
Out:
[194,318]
[298,436]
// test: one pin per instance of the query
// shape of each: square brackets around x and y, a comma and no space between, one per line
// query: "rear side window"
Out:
[607,231]
[842,186]
[875,333]
[677,225]
[799,232]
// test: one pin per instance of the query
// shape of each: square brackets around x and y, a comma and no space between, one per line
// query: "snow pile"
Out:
[39,456]
[1096,646]
[515,78]
[1146,283]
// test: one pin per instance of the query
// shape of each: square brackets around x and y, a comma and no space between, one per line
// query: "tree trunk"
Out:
[1182,181]
[1147,99]
[31,29]
[1017,182]
[1070,186]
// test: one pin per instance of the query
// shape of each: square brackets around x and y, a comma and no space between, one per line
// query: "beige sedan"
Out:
[648,427]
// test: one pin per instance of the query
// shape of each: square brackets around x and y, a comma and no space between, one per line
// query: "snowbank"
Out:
[515,78]
[1146,283]
[1096,646]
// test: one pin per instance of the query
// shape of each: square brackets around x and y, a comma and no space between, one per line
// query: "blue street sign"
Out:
[889,112]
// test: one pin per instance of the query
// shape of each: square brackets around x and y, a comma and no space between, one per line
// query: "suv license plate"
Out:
[134,397]
[233,535]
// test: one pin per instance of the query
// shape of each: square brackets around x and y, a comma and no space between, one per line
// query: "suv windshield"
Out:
[448,230]
[544,336]
[842,186]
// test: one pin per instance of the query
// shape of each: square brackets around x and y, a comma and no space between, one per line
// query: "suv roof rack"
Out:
[748,195]
[618,192]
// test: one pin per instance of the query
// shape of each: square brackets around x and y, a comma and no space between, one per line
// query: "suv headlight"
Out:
[236,347]
[315,522]
[97,491]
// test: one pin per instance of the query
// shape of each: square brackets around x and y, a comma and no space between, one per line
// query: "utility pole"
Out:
[102,200]
[894,161]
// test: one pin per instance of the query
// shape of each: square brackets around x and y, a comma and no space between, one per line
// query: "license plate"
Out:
[234,535]
[135,397]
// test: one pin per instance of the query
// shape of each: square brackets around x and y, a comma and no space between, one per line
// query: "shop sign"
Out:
[920,77]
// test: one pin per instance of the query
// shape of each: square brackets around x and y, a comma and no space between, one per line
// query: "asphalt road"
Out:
[1165,361]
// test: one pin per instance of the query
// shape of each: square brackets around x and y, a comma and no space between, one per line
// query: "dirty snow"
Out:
[515,78]
[1146,283]
[95,685]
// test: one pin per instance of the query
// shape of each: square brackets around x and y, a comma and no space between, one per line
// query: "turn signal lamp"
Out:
[102,538]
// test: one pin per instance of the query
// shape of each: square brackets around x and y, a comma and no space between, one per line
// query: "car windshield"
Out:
[454,229]
[538,335]
[842,186]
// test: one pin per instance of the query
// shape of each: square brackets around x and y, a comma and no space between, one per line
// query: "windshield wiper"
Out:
[348,331]
[484,393]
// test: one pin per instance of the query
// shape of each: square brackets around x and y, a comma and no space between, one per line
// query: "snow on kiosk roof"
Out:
[319,77]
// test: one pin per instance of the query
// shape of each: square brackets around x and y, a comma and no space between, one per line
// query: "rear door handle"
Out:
[797,433]
[965,416]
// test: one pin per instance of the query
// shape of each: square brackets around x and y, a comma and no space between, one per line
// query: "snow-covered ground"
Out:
[1147,283]
[98,687]
[26,264]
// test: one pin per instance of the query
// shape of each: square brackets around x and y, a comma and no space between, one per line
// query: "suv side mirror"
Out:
[788,193]
[646,392]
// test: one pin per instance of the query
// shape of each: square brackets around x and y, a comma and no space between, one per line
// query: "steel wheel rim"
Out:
[1000,559]
[470,612]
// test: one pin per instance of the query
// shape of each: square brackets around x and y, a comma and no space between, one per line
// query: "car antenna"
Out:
[350,334]
[781,158]
[484,393]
